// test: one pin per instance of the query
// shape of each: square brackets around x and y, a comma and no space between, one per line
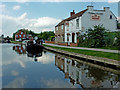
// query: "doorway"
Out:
[73,37]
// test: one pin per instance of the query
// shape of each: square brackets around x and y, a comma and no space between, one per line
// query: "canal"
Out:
[21,69]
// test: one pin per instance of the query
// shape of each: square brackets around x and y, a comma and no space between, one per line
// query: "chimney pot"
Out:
[72,13]
[90,8]
[106,8]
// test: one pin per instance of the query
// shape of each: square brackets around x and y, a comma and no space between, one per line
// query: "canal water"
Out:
[21,69]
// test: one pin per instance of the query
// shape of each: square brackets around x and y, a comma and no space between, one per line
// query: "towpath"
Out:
[83,48]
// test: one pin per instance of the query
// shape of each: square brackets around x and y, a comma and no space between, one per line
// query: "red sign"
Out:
[95,17]
[67,23]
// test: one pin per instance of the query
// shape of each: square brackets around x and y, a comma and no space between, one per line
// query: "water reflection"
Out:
[51,71]
[86,76]
[21,49]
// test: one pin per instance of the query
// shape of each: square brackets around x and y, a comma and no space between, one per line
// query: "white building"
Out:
[88,18]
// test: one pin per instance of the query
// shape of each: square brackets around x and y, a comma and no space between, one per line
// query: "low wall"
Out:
[86,57]
[73,44]
[64,44]
[50,42]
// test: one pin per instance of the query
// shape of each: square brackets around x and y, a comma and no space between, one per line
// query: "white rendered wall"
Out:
[109,24]
[73,29]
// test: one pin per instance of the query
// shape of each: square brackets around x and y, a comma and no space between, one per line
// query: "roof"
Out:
[61,23]
[72,17]
[77,15]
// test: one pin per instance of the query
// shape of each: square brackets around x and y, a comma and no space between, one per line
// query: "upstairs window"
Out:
[77,23]
[110,16]
[62,27]
[16,35]
[56,28]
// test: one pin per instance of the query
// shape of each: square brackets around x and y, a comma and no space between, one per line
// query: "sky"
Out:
[42,15]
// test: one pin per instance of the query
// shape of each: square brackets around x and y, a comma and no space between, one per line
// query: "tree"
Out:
[96,36]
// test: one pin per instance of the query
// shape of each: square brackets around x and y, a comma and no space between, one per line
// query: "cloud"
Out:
[56,83]
[23,16]
[113,1]
[45,21]
[2,8]
[16,7]
[46,58]
[22,1]
[14,73]
[37,25]
[17,83]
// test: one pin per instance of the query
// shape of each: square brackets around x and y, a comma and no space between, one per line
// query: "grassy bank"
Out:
[114,56]
[110,48]
[16,42]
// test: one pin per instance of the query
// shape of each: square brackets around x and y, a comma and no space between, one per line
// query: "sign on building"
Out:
[95,17]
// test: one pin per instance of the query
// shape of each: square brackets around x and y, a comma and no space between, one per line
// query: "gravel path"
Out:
[83,48]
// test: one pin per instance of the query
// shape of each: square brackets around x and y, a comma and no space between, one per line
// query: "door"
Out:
[73,37]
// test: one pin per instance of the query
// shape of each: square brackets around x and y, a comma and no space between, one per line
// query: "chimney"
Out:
[90,8]
[106,9]
[72,13]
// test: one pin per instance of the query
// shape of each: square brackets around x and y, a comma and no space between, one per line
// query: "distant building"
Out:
[21,35]
[68,29]
[2,38]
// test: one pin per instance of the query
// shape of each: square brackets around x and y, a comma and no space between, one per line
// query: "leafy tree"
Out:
[43,35]
[96,36]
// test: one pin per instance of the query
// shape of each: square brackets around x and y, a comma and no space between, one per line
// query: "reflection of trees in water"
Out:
[101,75]
[45,51]
[98,74]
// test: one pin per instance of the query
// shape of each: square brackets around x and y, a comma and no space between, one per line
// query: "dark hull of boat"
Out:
[34,49]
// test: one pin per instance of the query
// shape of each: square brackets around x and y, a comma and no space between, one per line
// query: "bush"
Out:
[99,37]
[96,36]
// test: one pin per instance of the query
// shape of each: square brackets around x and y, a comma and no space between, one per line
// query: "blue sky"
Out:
[42,16]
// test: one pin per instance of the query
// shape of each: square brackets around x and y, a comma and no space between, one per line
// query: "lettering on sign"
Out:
[95,17]
[67,23]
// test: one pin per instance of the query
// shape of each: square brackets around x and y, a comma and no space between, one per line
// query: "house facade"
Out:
[80,22]
[60,32]
[21,35]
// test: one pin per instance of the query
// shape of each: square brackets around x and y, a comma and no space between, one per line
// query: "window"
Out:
[110,16]
[68,38]
[77,23]
[20,35]
[24,35]
[56,28]
[62,27]
[16,35]
[21,32]
[63,38]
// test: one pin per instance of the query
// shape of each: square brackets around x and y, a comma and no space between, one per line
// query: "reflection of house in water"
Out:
[84,75]
[19,49]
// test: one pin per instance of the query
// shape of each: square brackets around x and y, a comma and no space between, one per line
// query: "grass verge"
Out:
[115,56]
[16,42]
